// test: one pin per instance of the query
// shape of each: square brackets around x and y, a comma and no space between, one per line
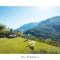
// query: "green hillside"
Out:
[19,45]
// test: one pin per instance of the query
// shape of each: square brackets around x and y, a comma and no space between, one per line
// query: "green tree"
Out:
[2,28]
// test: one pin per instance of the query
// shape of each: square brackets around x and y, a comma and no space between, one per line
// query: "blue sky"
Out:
[16,16]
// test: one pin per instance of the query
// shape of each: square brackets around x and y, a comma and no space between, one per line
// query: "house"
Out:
[11,35]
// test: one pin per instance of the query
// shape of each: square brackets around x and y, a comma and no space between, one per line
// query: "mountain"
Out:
[26,27]
[49,28]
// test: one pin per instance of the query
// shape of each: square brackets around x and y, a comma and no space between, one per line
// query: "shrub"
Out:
[43,51]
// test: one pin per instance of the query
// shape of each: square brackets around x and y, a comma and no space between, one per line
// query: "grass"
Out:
[18,46]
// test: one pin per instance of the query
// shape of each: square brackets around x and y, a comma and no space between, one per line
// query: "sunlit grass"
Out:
[19,46]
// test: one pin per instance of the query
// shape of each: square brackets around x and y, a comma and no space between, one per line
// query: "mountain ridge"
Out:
[49,28]
[26,27]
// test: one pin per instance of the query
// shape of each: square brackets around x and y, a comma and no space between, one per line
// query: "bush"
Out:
[55,43]
[43,51]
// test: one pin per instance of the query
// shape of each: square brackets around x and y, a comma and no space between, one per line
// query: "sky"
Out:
[16,16]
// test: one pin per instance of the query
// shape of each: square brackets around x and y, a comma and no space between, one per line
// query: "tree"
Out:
[2,28]
[11,31]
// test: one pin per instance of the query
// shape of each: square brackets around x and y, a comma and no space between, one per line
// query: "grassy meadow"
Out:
[19,46]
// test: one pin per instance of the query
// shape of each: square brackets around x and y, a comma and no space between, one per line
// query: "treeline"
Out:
[4,31]
[48,41]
